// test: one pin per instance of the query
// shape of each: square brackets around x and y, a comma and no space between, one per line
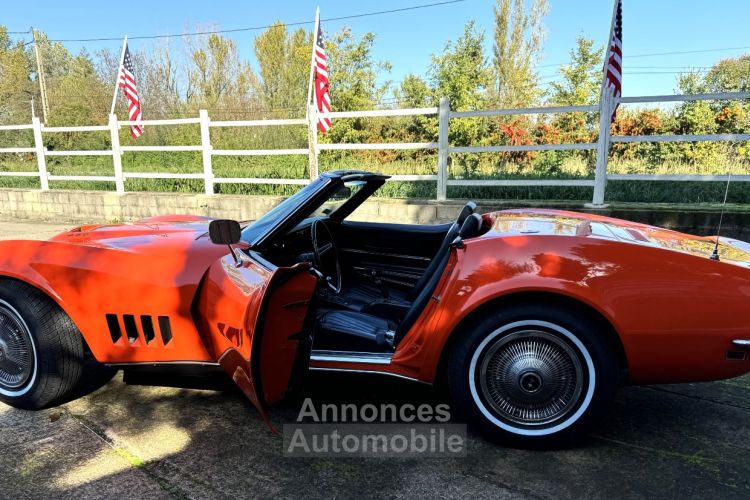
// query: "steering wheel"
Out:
[326,255]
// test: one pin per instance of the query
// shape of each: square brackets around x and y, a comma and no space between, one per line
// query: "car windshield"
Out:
[281,211]
[339,198]
[317,199]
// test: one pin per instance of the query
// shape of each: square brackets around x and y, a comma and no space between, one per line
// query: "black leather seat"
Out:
[362,295]
[353,330]
[361,331]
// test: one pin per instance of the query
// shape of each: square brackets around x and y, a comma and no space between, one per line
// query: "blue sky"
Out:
[408,39]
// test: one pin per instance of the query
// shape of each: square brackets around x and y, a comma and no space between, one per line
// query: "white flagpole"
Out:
[312,62]
[609,48]
[117,76]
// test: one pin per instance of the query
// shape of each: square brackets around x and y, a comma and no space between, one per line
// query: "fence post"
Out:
[442,171]
[208,172]
[114,134]
[312,140]
[41,160]
[602,150]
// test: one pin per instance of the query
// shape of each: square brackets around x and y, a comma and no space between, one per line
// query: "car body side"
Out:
[151,269]
[675,314]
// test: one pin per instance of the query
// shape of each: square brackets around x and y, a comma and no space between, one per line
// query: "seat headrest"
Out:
[471,227]
[465,212]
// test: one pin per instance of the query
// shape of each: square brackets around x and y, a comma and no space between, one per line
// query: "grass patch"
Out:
[547,165]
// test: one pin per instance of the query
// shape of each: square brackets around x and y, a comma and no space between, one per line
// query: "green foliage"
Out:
[461,73]
[581,78]
[284,61]
[212,76]
[518,45]
[16,88]
[353,73]
[218,76]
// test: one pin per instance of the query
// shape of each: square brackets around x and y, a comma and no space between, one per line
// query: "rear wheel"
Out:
[41,350]
[533,375]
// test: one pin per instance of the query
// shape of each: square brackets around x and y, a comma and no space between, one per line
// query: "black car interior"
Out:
[375,279]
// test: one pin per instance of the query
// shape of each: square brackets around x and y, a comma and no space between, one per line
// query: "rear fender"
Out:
[675,313]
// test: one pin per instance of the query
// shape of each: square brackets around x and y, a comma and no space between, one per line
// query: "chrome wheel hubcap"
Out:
[531,377]
[16,352]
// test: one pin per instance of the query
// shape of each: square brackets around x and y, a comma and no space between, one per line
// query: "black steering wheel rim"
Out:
[319,250]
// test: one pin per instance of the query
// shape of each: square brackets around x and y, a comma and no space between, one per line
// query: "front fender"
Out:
[147,297]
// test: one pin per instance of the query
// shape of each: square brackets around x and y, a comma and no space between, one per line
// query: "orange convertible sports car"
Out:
[532,318]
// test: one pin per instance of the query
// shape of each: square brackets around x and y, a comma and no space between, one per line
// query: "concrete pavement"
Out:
[132,441]
[10,230]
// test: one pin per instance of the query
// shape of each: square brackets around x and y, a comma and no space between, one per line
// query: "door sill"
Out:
[370,358]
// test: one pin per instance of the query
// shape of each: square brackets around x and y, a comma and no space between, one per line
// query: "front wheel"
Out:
[533,375]
[41,350]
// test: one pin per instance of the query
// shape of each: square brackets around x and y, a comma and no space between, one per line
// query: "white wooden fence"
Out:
[443,147]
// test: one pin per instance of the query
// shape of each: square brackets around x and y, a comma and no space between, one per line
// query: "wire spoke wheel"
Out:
[531,378]
[17,357]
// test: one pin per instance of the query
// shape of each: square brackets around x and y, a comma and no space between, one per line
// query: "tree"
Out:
[581,78]
[353,73]
[580,86]
[413,92]
[57,59]
[518,46]
[217,75]
[160,82]
[16,87]
[79,97]
[284,68]
[460,73]
[729,75]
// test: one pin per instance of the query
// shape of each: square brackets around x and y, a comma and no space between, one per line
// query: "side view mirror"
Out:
[224,232]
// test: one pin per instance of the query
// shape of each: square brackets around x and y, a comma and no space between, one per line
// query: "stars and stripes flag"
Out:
[613,68]
[322,95]
[126,81]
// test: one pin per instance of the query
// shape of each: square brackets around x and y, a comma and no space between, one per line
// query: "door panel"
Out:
[285,310]
[395,253]
[251,318]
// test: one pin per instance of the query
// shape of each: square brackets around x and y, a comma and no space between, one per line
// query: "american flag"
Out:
[322,96]
[126,81]
[613,79]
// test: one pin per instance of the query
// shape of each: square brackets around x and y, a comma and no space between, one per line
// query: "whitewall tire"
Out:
[533,374]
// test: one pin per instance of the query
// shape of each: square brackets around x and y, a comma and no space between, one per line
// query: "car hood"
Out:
[154,236]
[565,223]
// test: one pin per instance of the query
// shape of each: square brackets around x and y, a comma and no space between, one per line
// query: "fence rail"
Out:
[443,147]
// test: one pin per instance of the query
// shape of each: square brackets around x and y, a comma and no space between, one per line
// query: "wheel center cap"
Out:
[530,382]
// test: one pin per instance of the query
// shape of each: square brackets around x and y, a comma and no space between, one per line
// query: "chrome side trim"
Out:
[164,363]
[369,372]
[370,358]
[741,343]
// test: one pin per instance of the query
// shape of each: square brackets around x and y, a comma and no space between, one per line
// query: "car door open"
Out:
[253,316]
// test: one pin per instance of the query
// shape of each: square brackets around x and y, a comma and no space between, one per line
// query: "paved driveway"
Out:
[138,441]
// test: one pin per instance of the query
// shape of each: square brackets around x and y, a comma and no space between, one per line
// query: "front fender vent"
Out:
[166,329]
[114,327]
[147,325]
[139,334]
[131,329]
